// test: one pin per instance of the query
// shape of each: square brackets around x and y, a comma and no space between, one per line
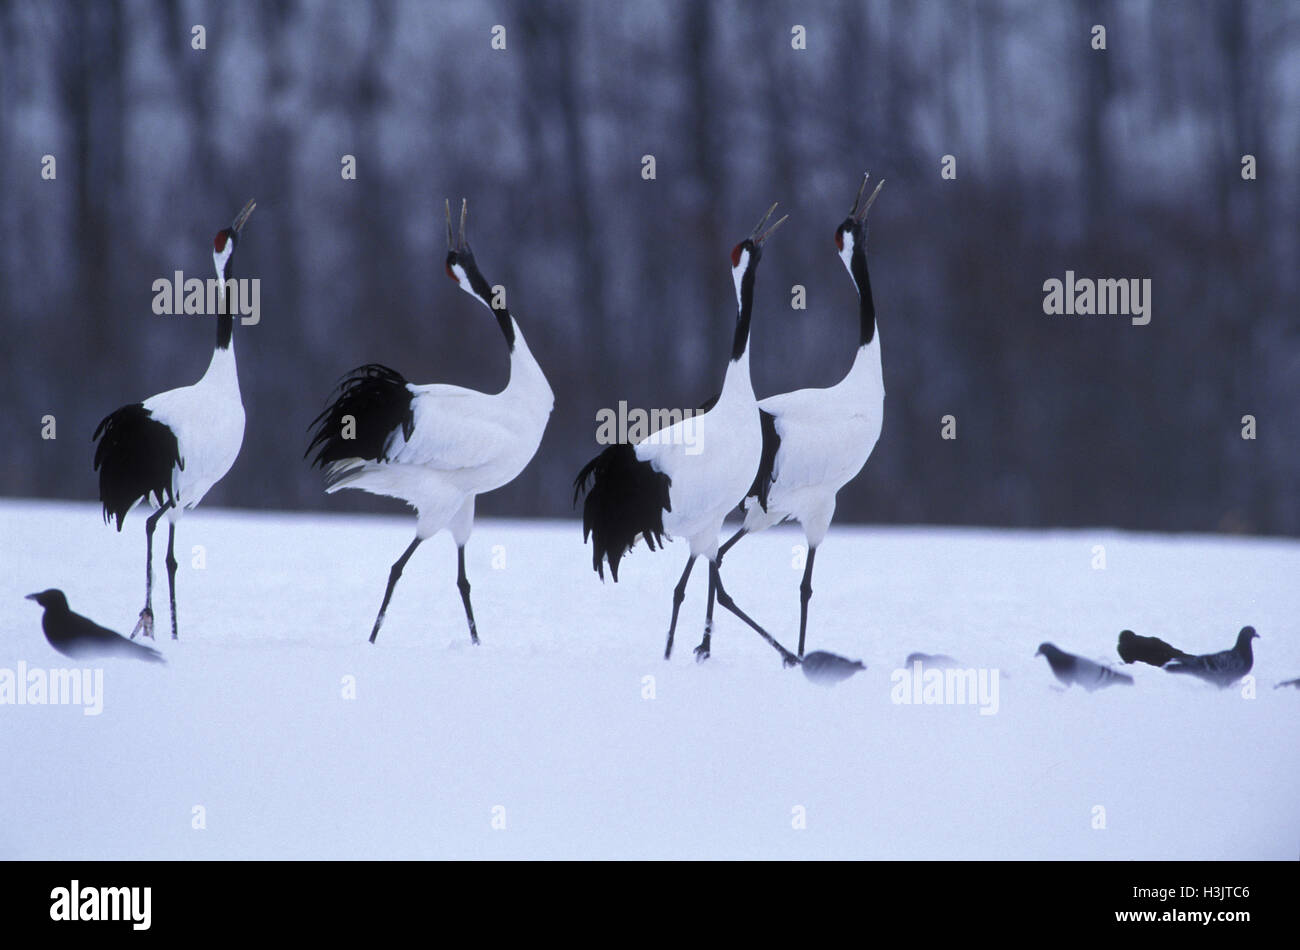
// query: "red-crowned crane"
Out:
[169,450]
[816,440]
[684,483]
[436,447]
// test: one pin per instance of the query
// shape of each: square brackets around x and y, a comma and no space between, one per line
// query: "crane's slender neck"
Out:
[508,327]
[225,319]
[866,306]
[221,369]
[740,342]
[737,381]
[479,287]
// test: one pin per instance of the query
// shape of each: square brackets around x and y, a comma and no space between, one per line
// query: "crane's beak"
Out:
[460,244]
[242,218]
[859,210]
[758,235]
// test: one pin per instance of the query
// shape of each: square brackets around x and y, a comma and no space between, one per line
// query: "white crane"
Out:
[436,447]
[816,440]
[683,480]
[169,450]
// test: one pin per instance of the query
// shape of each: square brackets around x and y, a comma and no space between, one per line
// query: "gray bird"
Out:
[1134,649]
[827,669]
[1225,667]
[80,637]
[1071,669]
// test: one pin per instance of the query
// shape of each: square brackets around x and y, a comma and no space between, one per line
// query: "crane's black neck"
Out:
[478,283]
[225,319]
[741,339]
[866,306]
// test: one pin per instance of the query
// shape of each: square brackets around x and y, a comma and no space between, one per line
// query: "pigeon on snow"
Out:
[1070,669]
[80,637]
[827,669]
[1223,668]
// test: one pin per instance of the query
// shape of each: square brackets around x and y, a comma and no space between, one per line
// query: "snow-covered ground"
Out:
[546,727]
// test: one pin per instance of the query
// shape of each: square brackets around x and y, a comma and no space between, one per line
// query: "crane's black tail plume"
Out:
[626,499]
[135,458]
[373,402]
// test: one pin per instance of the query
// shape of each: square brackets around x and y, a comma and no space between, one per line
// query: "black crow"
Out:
[80,637]
[1152,650]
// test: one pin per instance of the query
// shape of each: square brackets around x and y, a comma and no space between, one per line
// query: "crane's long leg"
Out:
[805,595]
[145,622]
[171,572]
[702,651]
[788,658]
[393,575]
[679,594]
[730,543]
[463,583]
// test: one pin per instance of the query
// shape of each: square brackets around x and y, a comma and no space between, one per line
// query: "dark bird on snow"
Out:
[1225,667]
[80,637]
[827,669]
[1070,669]
[936,660]
[1152,650]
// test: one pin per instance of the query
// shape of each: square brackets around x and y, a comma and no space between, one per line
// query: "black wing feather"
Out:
[135,456]
[626,498]
[379,402]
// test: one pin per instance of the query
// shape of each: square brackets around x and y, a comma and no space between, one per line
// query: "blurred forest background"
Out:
[1122,163]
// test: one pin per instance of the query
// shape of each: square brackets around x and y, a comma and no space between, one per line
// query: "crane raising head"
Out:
[223,245]
[460,260]
[748,251]
[853,232]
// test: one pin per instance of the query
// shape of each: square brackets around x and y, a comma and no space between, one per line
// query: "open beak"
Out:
[859,210]
[758,235]
[242,217]
[454,244]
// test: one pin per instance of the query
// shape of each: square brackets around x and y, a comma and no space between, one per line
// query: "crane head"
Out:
[852,233]
[223,245]
[461,266]
[752,246]
[748,252]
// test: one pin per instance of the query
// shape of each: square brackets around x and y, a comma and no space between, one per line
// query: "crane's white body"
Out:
[208,421]
[717,466]
[827,435]
[714,468]
[463,443]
